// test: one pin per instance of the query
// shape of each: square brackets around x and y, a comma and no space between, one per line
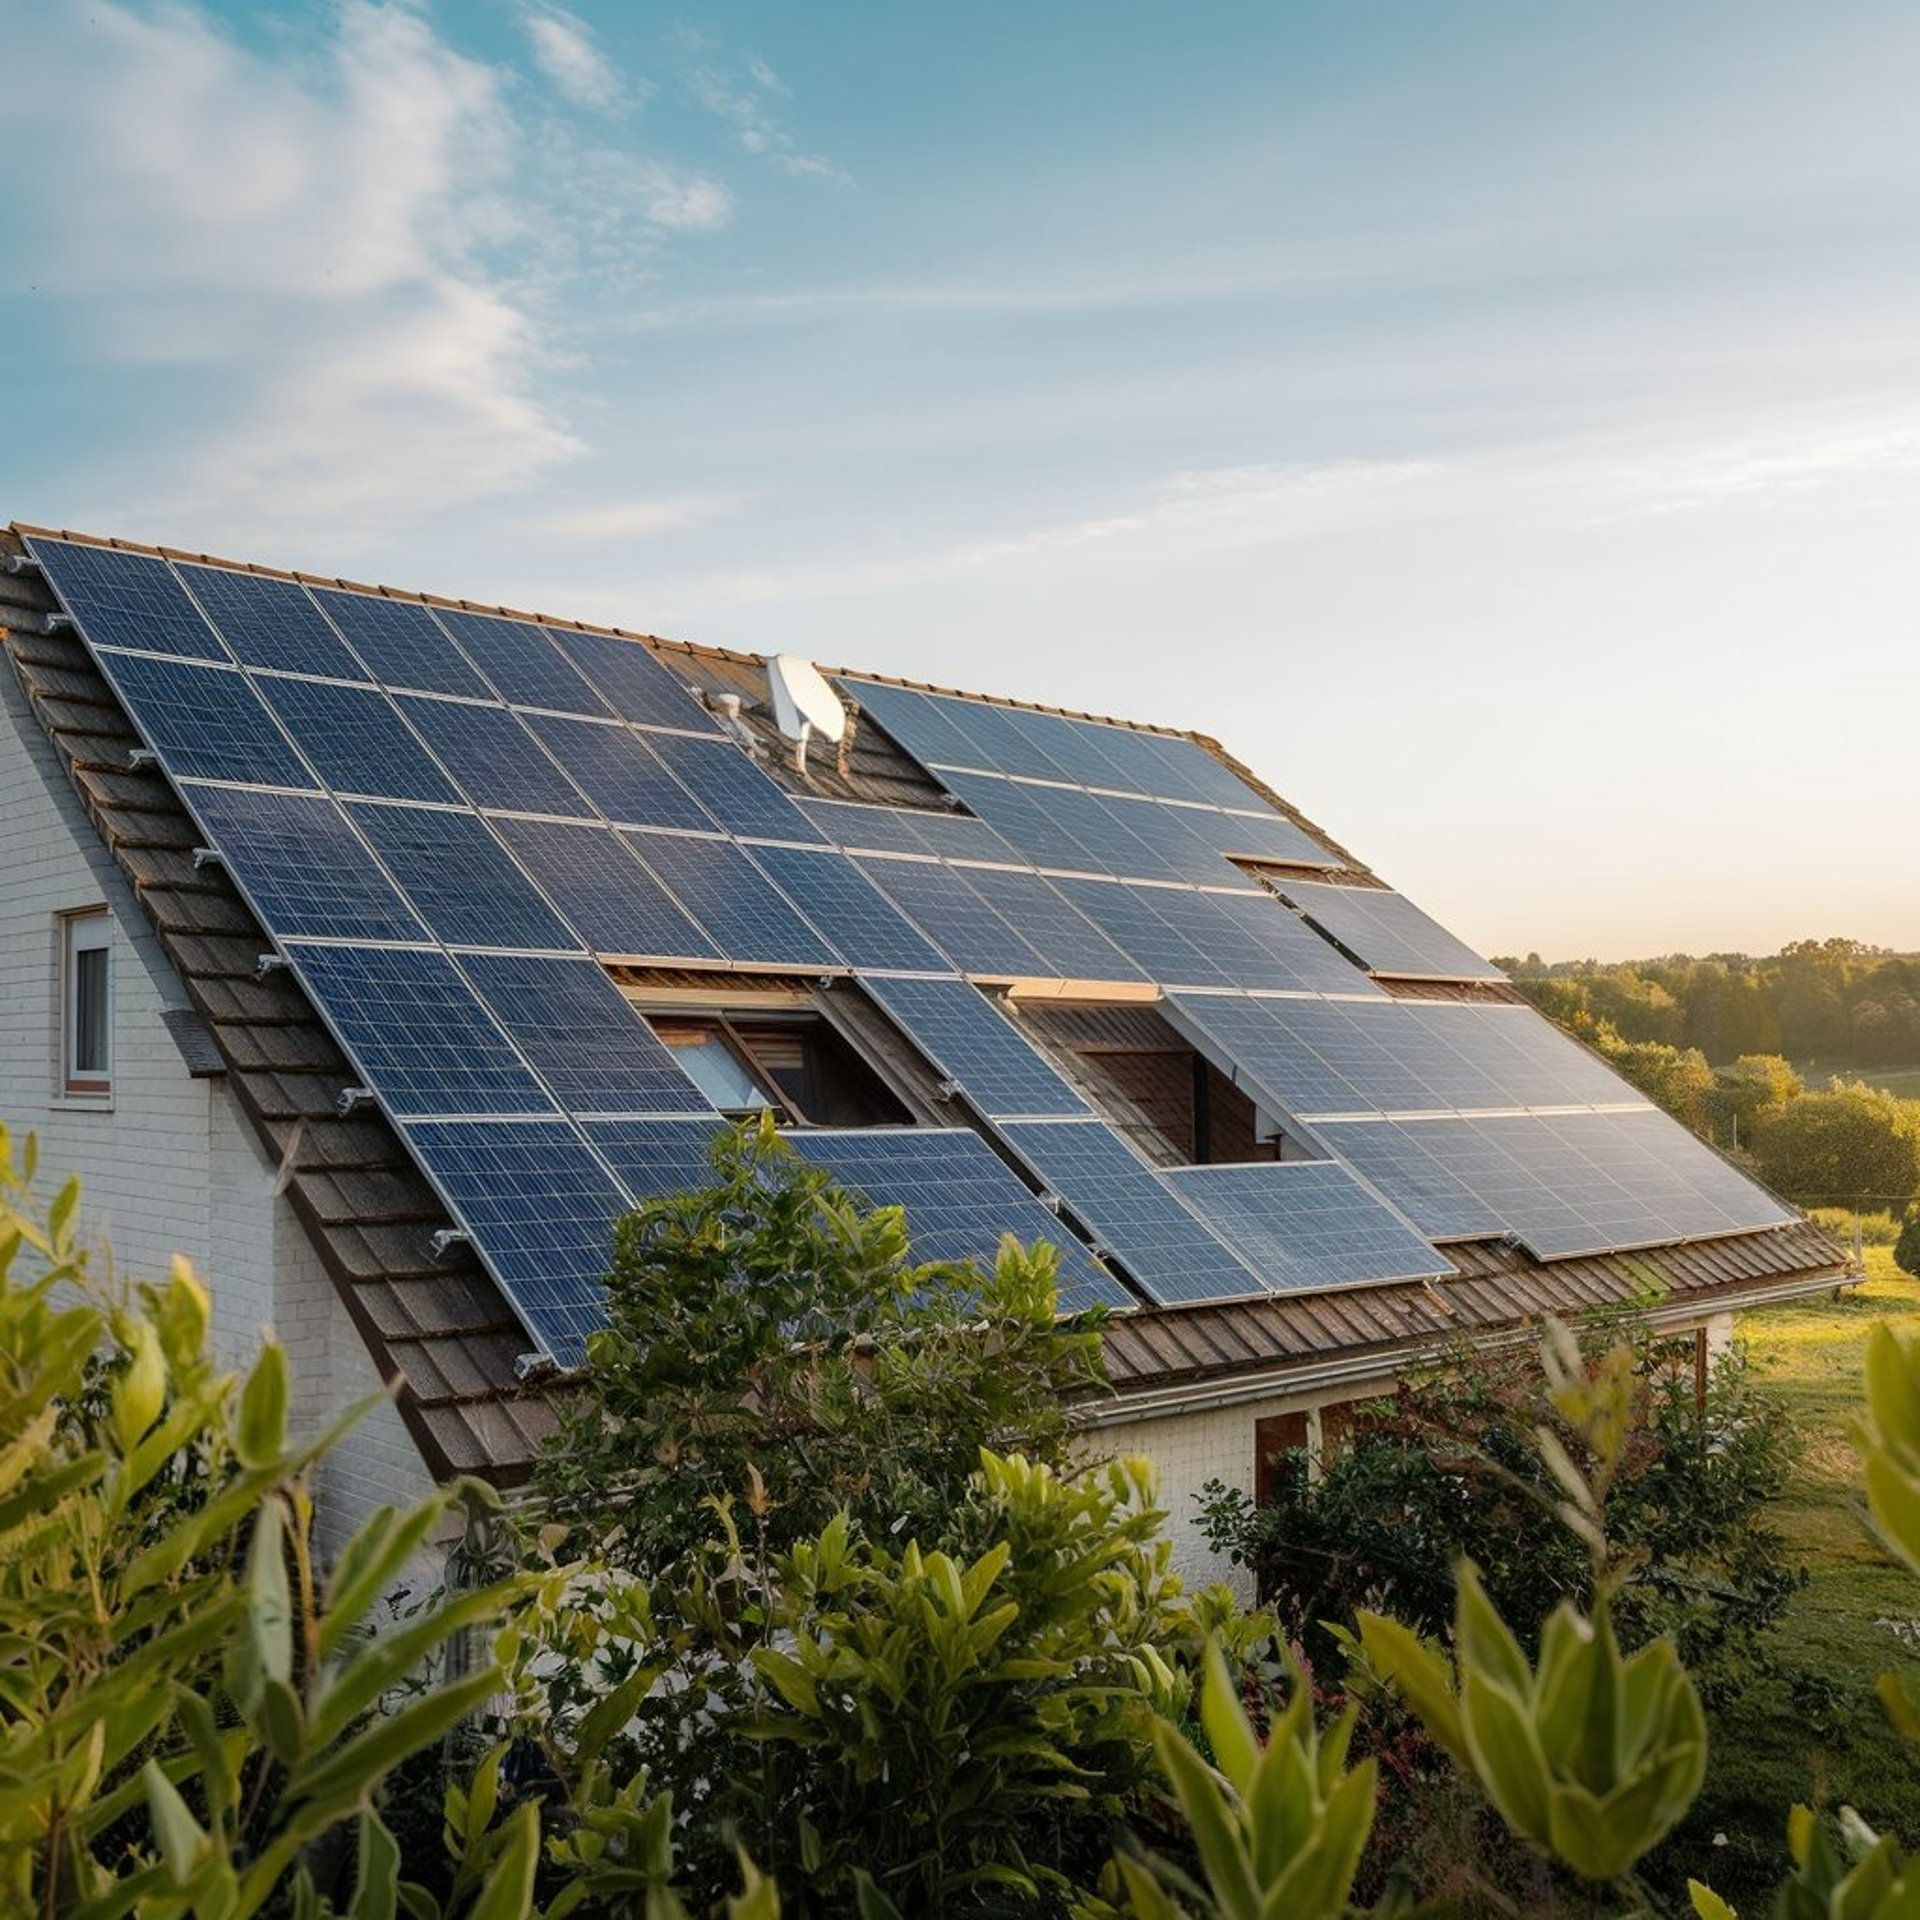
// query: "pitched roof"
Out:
[445,1327]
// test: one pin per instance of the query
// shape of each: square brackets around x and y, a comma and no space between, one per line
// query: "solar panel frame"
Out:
[975,1046]
[739,796]
[400,643]
[1135,1217]
[610,897]
[205,722]
[1307,1226]
[122,599]
[615,768]
[302,868]
[856,920]
[581,1035]
[917,721]
[462,881]
[416,1031]
[493,758]
[959,1197]
[1390,934]
[745,915]
[538,1205]
[269,622]
[521,664]
[636,685]
[355,739]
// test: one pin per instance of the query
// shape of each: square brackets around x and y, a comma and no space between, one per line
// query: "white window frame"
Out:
[84,930]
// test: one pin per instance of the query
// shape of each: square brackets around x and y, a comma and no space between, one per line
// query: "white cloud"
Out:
[741,100]
[565,51]
[619,521]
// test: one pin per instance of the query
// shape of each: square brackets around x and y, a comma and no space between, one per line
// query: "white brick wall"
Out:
[172,1166]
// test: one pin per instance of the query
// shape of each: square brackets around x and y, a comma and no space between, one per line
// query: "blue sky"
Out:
[1500,424]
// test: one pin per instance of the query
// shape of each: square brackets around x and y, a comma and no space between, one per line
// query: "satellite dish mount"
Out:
[804,704]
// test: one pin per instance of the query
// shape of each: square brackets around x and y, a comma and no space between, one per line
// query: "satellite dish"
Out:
[803,702]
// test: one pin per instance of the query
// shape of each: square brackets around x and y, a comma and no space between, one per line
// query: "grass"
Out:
[1903,1081]
[1818,1736]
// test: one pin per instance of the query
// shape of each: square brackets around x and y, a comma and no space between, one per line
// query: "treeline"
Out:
[1837,1001]
[1710,1041]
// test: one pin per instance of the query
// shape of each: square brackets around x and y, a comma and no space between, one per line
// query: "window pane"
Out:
[90,1013]
[713,1066]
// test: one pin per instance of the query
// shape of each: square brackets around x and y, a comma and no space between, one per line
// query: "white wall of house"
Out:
[170,1165]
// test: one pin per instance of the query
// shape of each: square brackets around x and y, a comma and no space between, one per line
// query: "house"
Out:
[376,950]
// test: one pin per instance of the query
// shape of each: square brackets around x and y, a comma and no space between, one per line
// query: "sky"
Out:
[1498,424]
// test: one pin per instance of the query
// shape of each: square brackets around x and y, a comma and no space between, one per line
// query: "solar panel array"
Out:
[450,820]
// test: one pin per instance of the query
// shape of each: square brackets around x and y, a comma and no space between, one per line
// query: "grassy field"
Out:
[1904,1081]
[1822,1738]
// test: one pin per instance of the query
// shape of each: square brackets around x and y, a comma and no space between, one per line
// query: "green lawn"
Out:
[1825,1739]
[1904,1081]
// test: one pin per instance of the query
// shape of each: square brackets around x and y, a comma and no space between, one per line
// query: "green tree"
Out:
[769,1333]
[1755,1087]
[1850,1146]
[1677,1079]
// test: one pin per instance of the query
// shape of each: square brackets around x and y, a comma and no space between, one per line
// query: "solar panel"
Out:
[461,880]
[270,623]
[656,1159]
[858,921]
[1067,942]
[873,829]
[300,865]
[938,901]
[355,738]
[974,1046]
[614,902]
[206,723]
[959,1199]
[720,776]
[540,1208]
[1305,1225]
[1023,818]
[400,643]
[1264,837]
[492,757]
[1133,1215]
[416,1031]
[1149,925]
[1189,771]
[1389,933]
[1259,944]
[126,599]
[621,774]
[525,667]
[743,913]
[633,682]
[584,1040]
[920,722]
[1178,846]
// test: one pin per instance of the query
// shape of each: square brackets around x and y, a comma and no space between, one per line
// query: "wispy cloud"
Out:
[619,521]
[1792,459]
[741,93]
[565,51]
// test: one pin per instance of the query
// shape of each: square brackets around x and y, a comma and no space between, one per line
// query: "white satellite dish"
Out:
[803,702]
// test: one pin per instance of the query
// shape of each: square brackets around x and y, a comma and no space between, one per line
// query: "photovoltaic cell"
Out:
[960,923]
[656,1159]
[206,723]
[1261,945]
[1133,1215]
[1264,837]
[621,774]
[958,836]
[492,757]
[126,599]
[633,682]
[400,643]
[1304,1225]
[1146,923]
[979,1049]
[417,1031]
[871,829]
[540,1207]
[462,882]
[269,622]
[525,667]
[1068,943]
[1021,816]
[1389,933]
[614,902]
[858,922]
[301,866]
[959,1199]
[720,776]
[743,913]
[355,738]
[582,1037]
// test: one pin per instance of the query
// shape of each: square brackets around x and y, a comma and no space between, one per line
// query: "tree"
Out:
[1754,1088]
[1677,1079]
[1851,1146]
[770,1336]
[1906,1249]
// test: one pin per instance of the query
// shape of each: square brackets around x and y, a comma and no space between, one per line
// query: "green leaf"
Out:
[260,1438]
[1708,1904]
[376,1886]
[182,1843]
[508,1893]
